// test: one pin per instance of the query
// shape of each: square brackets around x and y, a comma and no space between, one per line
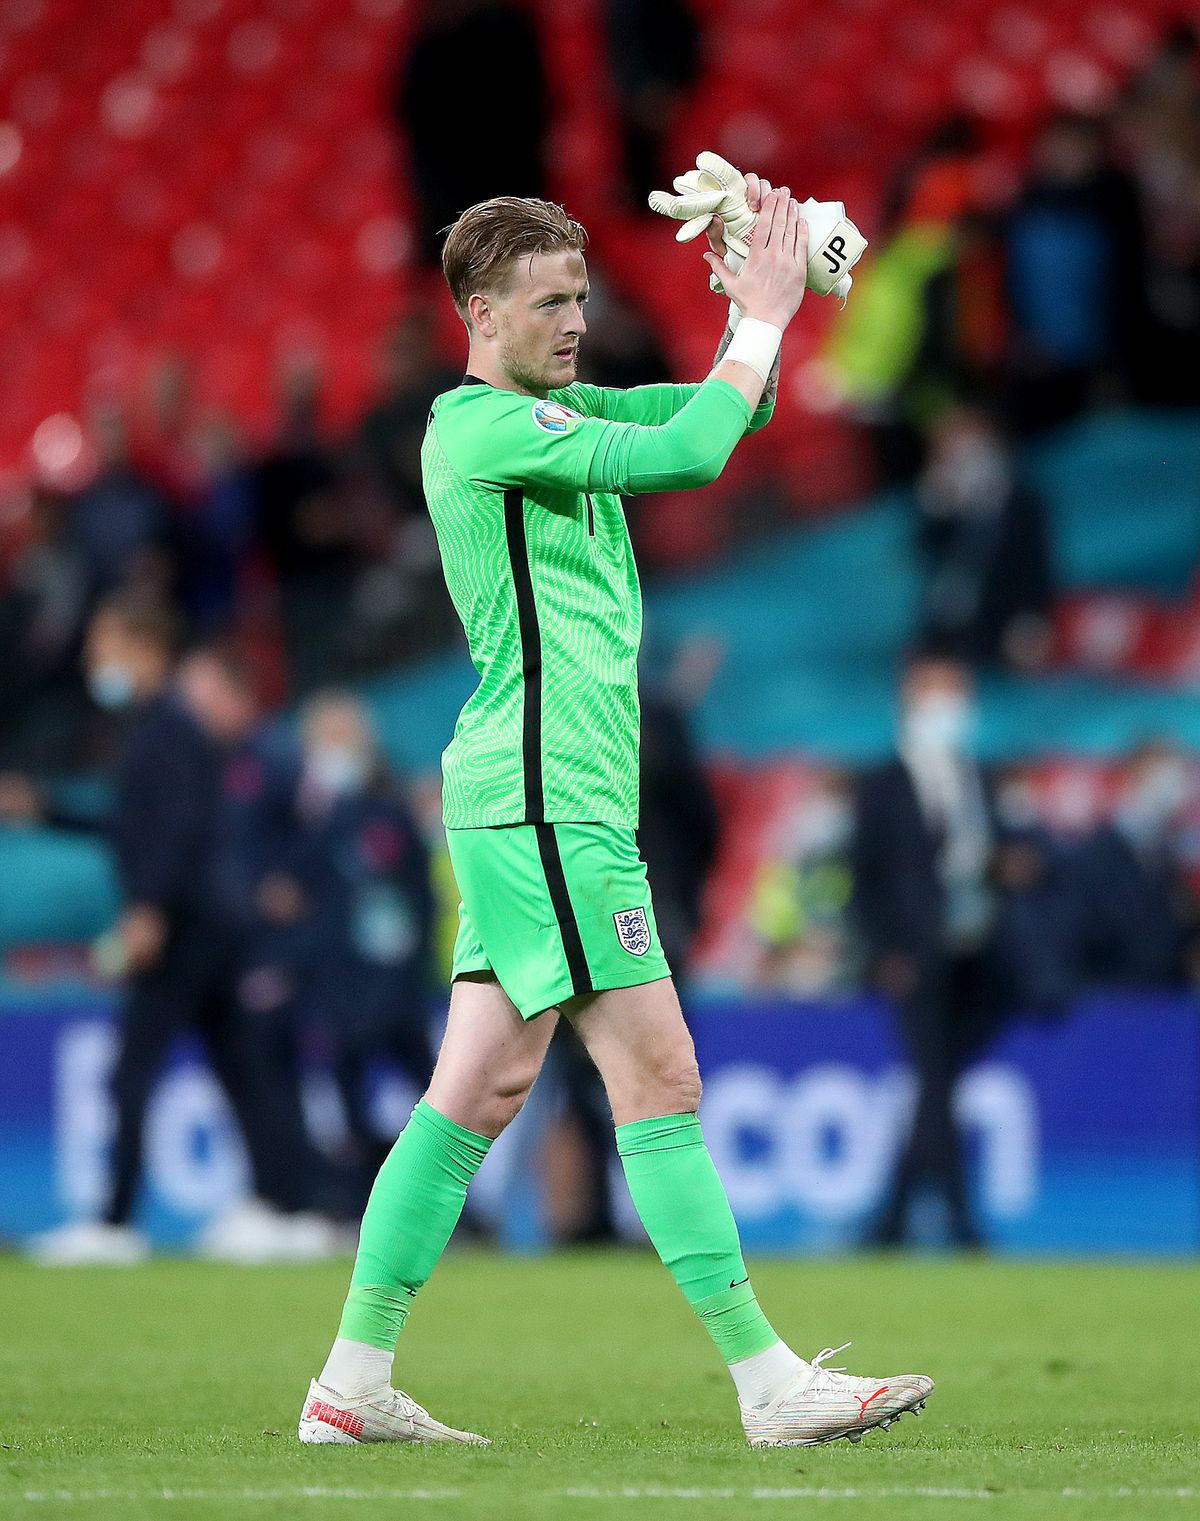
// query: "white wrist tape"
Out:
[756,344]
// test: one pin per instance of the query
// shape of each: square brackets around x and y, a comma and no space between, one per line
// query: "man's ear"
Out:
[482,318]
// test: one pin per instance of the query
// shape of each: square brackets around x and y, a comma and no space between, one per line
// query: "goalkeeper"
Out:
[523,470]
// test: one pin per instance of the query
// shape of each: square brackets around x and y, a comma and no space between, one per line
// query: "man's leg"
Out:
[639,1041]
[487,1064]
[588,1106]
[154,1009]
[255,1058]
[921,1018]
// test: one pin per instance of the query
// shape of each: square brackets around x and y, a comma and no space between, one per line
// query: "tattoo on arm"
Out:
[771,389]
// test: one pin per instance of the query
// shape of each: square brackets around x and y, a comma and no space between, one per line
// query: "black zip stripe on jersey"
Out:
[531,654]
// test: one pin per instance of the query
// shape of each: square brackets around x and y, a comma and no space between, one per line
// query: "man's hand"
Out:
[770,285]
[142,932]
[757,190]
[21,800]
[896,974]
[281,899]
[717,198]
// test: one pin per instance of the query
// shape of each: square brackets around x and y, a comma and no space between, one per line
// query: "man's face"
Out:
[110,644]
[937,704]
[539,320]
[120,667]
[336,725]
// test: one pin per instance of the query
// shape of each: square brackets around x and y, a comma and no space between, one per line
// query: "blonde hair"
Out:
[486,238]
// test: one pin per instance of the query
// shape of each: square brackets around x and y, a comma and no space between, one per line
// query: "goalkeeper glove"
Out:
[716,188]
[713,188]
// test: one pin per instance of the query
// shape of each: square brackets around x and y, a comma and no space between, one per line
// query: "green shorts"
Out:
[554,910]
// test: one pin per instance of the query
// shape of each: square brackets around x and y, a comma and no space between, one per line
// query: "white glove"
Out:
[835,245]
[713,187]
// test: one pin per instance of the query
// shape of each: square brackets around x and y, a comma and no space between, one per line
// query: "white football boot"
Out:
[252,1233]
[384,1415]
[824,1404]
[89,1243]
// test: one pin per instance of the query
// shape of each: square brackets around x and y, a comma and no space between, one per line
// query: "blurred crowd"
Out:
[1078,286]
[312,554]
[284,894]
[942,886]
[984,314]
[281,899]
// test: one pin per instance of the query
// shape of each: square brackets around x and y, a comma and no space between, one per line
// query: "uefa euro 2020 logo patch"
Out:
[633,930]
[553,417]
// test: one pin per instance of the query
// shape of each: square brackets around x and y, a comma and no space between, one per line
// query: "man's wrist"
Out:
[775,318]
[756,345]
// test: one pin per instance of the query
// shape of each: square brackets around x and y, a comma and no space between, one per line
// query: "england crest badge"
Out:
[633,930]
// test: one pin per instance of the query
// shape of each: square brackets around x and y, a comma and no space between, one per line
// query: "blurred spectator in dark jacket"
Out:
[984,538]
[343,907]
[302,527]
[374,911]
[176,942]
[399,604]
[679,827]
[654,59]
[1076,261]
[1037,946]
[387,446]
[119,525]
[925,841]
[1142,920]
[1158,132]
[42,613]
[217,528]
[486,53]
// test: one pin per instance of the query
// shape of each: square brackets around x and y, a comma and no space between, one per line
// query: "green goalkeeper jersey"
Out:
[524,494]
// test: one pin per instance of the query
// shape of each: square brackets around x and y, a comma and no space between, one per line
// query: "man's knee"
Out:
[681,1088]
[669,1087]
[505,1099]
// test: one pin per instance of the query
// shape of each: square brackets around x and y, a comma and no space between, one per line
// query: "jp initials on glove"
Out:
[716,188]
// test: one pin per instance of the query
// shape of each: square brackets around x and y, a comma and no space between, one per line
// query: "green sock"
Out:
[682,1204]
[411,1214]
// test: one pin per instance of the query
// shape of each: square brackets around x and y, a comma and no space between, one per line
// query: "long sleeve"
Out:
[650,405]
[519,441]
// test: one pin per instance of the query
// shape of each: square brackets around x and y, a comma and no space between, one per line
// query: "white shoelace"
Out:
[408,1406]
[823,1378]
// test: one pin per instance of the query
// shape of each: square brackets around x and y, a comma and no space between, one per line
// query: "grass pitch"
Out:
[173,1391]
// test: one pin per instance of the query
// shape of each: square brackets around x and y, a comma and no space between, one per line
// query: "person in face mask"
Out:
[345,907]
[924,841]
[1142,920]
[174,945]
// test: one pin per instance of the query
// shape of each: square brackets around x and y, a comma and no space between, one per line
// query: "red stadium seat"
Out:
[213,174]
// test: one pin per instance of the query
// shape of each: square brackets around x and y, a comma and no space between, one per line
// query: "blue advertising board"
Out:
[1083,1134]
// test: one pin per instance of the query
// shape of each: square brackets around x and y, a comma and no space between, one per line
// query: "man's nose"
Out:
[577,322]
